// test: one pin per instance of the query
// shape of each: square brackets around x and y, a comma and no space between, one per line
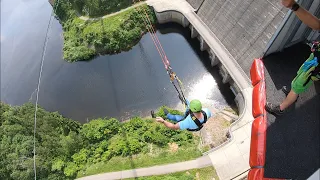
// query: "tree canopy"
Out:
[84,39]
[64,146]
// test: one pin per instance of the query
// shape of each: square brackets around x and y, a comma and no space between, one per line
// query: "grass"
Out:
[158,157]
[121,5]
[207,173]
[106,24]
[178,149]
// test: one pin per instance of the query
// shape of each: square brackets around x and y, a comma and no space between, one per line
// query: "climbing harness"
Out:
[197,121]
[172,75]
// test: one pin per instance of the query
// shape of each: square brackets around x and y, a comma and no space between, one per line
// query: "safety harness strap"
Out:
[196,120]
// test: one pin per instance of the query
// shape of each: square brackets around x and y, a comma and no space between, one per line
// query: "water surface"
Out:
[122,85]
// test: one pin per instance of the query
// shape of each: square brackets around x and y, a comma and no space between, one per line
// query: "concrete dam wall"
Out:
[195,3]
[243,26]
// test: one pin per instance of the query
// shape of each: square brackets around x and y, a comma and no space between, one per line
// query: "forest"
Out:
[83,39]
[66,149]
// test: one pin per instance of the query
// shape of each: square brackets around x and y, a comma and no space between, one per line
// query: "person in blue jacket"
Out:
[193,119]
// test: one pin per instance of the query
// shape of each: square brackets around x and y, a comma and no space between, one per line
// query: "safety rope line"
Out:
[180,86]
[173,77]
[44,49]
[153,39]
[165,56]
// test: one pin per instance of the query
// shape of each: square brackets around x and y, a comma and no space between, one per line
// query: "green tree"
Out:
[100,129]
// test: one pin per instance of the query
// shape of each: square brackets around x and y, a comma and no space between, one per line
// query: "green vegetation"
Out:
[85,39]
[96,8]
[162,156]
[207,173]
[66,149]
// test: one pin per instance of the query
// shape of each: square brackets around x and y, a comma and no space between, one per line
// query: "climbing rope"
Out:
[172,75]
[44,49]
[153,35]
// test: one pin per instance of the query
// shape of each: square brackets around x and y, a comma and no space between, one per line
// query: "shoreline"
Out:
[110,34]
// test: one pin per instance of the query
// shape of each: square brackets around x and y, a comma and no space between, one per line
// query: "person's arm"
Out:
[168,124]
[305,16]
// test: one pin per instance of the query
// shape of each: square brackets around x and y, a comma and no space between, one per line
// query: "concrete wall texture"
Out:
[195,3]
[243,26]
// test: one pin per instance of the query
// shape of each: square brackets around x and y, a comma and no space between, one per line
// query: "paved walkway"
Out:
[85,18]
[154,170]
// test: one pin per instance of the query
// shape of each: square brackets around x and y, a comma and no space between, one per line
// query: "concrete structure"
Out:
[244,27]
[195,3]
[292,30]
[231,158]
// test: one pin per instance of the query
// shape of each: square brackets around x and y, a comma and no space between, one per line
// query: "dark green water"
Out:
[123,85]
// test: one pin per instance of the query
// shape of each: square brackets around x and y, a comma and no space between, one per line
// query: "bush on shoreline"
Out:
[85,39]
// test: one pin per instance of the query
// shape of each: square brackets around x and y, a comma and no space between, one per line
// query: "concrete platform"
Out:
[292,139]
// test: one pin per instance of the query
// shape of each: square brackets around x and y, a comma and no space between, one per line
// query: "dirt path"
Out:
[85,18]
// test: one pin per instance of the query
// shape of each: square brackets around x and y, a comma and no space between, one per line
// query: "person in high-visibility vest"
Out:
[310,69]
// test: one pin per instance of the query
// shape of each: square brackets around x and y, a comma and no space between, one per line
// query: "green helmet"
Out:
[195,105]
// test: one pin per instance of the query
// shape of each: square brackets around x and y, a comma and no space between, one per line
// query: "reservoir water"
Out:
[123,85]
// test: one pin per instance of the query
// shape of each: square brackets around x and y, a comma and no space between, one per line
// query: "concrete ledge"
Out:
[172,16]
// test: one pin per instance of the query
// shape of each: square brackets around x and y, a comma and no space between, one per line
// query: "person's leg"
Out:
[174,117]
[279,109]
[290,99]
[297,87]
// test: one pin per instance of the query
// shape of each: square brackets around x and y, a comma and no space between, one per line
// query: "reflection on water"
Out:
[123,85]
[204,89]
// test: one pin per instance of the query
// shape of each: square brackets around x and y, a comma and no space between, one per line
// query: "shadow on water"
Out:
[203,57]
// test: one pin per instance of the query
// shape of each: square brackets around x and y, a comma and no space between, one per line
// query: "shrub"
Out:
[85,39]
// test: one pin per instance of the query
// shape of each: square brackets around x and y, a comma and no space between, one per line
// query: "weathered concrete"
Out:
[214,59]
[195,3]
[293,30]
[172,16]
[194,32]
[243,26]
